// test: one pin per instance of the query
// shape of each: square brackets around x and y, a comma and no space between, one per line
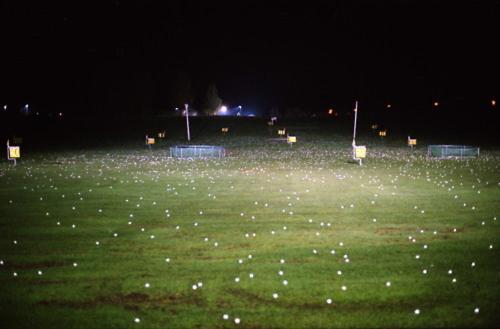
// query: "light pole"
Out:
[187,123]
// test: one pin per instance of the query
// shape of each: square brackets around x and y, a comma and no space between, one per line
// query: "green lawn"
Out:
[98,239]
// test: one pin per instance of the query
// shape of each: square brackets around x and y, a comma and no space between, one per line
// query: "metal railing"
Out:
[197,151]
[452,151]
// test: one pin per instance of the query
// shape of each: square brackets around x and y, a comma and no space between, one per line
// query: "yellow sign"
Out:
[14,152]
[360,152]
[382,133]
[292,139]
[281,132]
[225,130]
[412,142]
[151,141]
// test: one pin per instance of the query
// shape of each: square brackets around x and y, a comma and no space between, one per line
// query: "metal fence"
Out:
[197,151]
[452,151]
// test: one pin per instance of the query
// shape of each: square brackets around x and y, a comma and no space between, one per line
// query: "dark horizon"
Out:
[137,57]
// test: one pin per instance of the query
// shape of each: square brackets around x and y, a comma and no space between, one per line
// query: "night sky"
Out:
[130,56]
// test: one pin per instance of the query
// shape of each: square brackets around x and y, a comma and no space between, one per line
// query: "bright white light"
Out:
[223,109]
[26,106]
[239,107]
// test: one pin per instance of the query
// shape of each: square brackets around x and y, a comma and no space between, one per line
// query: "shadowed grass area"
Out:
[96,239]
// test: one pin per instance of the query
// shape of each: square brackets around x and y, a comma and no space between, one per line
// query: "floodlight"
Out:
[223,109]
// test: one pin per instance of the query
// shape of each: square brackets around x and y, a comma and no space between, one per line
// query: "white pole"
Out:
[187,123]
[355,122]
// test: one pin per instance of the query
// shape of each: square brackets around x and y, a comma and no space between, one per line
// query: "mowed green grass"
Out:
[305,211]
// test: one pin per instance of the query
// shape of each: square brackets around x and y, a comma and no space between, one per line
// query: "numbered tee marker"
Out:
[411,142]
[224,130]
[13,152]
[358,152]
[149,141]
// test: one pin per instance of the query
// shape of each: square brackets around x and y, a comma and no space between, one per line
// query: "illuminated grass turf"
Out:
[267,237]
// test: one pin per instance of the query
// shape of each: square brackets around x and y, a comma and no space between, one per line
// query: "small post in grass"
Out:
[149,141]
[412,142]
[13,152]
[358,152]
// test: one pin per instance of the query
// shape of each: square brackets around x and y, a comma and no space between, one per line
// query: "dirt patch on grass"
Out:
[258,300]
[392,230]
[455,230]
[133,301]
[46,282]
[34,266]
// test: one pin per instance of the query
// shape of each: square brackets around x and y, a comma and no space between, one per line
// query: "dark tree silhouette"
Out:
[212,100]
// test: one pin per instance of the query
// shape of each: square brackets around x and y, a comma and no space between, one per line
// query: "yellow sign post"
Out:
[358,152]
[13,153]
[412,142]
[149,141]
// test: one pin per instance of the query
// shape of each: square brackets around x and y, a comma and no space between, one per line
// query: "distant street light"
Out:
[436,104]
[223,109]
[493,102]
[388,106]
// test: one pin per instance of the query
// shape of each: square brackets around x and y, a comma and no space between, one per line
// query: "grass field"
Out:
[269,237]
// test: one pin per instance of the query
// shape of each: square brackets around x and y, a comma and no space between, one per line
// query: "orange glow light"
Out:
[330,111]
[493,102]
[436,104]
